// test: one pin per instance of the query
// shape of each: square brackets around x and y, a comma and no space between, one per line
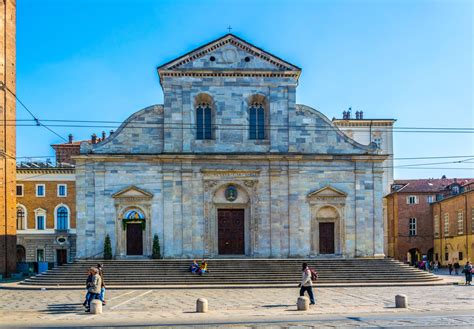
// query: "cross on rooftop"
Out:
[229,28]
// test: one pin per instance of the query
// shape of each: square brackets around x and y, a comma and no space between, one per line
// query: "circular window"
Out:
[247,59]
[212,58]
[61,240]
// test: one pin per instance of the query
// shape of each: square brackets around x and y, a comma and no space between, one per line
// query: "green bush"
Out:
[156,254]
[107,248]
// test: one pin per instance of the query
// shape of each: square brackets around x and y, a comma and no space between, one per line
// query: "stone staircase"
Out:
[268,272]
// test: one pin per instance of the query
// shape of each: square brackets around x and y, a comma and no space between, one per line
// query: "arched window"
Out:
[62,218]
[204,121]
[20,218]
[257,120]
[134,215]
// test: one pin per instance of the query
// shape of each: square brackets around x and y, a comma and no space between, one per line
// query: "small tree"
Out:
[156,254]
[107,248]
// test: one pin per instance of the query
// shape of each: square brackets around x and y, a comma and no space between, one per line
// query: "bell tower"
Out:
[7,137]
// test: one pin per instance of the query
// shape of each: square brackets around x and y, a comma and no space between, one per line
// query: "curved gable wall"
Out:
[141,133]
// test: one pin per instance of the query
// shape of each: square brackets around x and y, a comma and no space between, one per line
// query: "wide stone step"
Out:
[233,271]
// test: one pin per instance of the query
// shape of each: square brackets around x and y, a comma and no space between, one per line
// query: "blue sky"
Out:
[408,60]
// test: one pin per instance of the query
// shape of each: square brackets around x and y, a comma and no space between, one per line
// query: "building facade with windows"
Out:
[230,165]
[411,220]
[453,218]
[45,213]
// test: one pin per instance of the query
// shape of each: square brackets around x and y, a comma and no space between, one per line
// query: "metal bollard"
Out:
[202,305]
[302,303]
[401,301]
[96,306]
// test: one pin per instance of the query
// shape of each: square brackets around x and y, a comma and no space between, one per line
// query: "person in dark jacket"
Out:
[456,267]
[88,283]
[467,270]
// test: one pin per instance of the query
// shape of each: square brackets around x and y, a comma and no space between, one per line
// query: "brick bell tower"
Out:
[7,137]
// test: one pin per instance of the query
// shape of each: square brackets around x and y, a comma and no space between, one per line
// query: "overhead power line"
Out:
[35,119]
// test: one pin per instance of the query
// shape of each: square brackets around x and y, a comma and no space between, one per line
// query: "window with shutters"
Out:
[412,199]
[460,222]
[472,219]
[446,224]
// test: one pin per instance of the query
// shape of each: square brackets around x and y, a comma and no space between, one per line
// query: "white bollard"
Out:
[401,301]
[96,306]
[302,303]
[202,305]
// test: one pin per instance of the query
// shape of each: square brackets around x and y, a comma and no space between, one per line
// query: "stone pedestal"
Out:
[302,303]
[202,305]
[401,301]
[96,306]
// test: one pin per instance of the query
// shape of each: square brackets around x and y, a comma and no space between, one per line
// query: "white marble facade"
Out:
[303,189]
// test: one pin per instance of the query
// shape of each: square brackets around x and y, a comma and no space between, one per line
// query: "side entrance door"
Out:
[61,256]
[230,231]
[326,238]
[134,239]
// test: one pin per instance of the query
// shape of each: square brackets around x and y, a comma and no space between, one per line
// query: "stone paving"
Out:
[239,307]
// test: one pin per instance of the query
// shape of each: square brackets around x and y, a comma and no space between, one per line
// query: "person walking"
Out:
[467,270]
[88,284]
[94,288]
[306,283]
[450,267]
[456,267]
[100,267]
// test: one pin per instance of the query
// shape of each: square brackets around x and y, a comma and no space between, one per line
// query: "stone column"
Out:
[178,212]
[197,213]
[100,221]
[379,223]
[187,211]
[293,216]
[168,229]
[276,217]
[360,214]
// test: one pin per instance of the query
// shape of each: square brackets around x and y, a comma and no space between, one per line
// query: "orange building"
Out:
[45,213]
[410,216]
[453,218]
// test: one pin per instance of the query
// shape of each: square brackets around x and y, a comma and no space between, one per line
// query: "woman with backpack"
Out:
[306,283]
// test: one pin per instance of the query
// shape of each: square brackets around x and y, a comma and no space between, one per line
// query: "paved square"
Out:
[352,307]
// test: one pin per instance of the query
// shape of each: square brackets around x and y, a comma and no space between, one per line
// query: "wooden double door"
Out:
[326,238]
[231,231]
[134,239]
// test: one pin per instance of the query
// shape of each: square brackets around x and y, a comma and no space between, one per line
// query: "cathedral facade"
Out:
[229,165]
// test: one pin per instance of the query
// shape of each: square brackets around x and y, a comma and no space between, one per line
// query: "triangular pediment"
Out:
[132,192]
[229,53]
[327,191]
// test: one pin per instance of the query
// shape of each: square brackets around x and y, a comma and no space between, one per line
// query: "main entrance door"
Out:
[61,256]
[326,238]
[230,233]
[134,239]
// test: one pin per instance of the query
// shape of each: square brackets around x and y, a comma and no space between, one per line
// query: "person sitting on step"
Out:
[203,267]
[194,267]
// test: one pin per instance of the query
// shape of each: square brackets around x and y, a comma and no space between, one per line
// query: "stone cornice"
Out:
[170,157]
[230,73]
